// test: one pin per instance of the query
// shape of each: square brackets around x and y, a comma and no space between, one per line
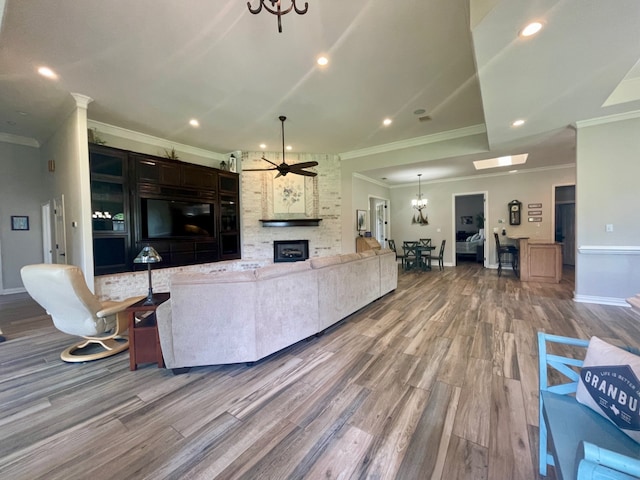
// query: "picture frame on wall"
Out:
[19,222]
[361,220]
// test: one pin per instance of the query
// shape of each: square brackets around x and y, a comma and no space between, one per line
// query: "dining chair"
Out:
[440,256]
[425,241]
[392,246]
[411,258]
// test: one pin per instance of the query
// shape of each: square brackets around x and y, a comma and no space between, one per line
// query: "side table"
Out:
[144,342]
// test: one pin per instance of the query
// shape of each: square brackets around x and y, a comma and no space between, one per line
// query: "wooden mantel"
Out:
[291,222]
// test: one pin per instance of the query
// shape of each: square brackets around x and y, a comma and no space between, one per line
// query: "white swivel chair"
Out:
[62,291]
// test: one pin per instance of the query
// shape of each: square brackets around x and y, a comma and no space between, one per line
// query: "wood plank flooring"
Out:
[437,380]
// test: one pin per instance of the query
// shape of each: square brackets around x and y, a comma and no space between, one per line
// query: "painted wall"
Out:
[68,148]
[438,146]
[362,189]
[607,193]
[528,187]
[22,175]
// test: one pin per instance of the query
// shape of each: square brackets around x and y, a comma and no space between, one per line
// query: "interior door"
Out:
[47,247]
[59,234]
[566,231]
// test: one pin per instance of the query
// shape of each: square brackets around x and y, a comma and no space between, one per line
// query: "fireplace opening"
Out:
[290,250]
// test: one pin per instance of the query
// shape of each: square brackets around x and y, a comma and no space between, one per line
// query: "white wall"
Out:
[22,177]
[607,192]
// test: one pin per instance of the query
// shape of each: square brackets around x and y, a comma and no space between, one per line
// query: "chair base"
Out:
[110,346]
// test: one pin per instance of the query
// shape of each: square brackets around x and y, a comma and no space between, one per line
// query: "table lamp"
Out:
[148,255]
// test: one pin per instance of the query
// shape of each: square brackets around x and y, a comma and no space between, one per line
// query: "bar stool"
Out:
[502,251]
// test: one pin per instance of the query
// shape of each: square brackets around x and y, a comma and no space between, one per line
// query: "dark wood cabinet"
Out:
[189,213]
[110,209]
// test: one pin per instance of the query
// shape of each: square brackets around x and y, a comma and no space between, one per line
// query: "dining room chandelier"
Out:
[276,9]
[419,204]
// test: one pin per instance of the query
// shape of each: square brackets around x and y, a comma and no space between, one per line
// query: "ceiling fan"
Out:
[285,168]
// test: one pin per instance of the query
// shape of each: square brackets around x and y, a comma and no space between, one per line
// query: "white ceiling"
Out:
[151,65]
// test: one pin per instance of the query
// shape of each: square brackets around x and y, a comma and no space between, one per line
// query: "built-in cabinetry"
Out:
[188,213]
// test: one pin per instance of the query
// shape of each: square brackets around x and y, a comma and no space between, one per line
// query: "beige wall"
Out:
[528,187]
[607,192]
[22,176]
[68,148]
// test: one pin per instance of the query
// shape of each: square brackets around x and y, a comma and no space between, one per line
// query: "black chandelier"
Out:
[277,10]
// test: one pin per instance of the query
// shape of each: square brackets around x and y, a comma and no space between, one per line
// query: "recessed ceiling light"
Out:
[47,72]
[531,29]
[386,122]
[194,123]
[289,147]
[419,111]
[322,61]
[263,146]
[513,171]
[518,123]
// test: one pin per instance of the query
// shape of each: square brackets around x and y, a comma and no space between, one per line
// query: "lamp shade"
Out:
[148,255]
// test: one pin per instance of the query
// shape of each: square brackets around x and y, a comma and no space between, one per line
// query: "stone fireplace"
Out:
[290,250]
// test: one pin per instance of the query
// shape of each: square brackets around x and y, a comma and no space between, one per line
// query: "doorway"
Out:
[469,217]
[59,233]
[378,219]
[565,221]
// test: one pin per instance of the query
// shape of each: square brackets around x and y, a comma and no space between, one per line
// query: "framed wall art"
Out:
[361,220]
[19,222]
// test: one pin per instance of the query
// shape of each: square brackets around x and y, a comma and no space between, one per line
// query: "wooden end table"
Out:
[144,341]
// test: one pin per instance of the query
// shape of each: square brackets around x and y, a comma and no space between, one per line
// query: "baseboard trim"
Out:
[9,291]
[614,301]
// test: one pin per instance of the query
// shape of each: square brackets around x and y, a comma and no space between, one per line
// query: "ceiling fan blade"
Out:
[304,165]
[267,160]
[257,169]
[304,172]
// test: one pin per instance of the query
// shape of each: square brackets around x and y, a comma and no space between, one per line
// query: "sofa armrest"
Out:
[164,321]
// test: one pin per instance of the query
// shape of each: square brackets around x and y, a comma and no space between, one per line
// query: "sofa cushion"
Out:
[322,262]
[609,384]
[349,257]
[279,269]
[213,277]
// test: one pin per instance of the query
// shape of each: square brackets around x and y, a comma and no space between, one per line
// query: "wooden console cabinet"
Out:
[367,243]
[540,262]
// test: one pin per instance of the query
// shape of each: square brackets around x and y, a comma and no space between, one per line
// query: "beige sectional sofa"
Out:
[232,317]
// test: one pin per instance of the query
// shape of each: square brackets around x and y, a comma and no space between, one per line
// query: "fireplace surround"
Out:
[290,250]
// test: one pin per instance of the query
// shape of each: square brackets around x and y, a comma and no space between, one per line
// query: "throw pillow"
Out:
[609,384]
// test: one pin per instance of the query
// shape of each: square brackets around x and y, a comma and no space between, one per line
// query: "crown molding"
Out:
[416,142]
[18,140]
[154,141]
[487,175]
[370,180]
[618,117]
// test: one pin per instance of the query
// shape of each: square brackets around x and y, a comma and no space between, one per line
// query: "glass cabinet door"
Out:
[108,212]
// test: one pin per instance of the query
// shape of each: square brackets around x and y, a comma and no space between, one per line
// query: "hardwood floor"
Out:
[437,380]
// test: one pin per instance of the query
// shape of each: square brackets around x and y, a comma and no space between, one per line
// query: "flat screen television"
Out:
[176,218]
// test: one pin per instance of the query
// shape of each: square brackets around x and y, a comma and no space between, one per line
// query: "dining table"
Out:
[422,253]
